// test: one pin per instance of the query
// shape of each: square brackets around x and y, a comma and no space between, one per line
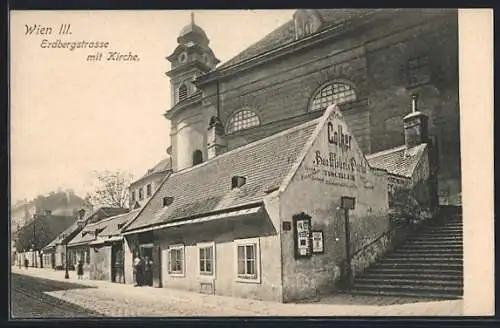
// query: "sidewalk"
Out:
[123,300]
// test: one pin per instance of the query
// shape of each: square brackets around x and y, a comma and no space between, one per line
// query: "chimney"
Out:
[415,125]
[216,144]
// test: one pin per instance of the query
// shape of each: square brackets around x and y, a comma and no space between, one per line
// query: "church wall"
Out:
[375,61]
[190,130]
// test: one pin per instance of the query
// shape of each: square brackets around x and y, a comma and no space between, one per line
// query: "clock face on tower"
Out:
[182,57]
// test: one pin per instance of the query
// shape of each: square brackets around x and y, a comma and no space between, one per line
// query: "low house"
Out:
[38,233]
[266,220]
[412,167]
[56,249]
[141,190]
[100,246]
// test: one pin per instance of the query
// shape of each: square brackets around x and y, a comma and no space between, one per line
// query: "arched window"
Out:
[197,157]
[183,92]
[242,120]
[335,92]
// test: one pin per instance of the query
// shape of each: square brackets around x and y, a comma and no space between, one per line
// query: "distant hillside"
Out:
[46,228]
[60,203]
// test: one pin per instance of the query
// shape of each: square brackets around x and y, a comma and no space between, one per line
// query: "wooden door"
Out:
[156,257]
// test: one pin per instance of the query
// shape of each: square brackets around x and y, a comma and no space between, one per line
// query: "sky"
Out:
[71,117]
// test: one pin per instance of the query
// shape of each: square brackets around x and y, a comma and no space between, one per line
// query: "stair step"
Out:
[422,250]
[403,294]
[416,271]
[457,225]
[424,260]
[410,287]
[424,257]
[412,282]
[433,246]
[412,266]
[444,231]
[434,242]
[439,237]
[412,276]
[411,254]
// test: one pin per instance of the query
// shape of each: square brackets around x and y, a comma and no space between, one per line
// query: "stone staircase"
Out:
[429,264]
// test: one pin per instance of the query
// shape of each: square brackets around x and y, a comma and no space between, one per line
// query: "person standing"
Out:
[137,273]
[148,277]
[80,270]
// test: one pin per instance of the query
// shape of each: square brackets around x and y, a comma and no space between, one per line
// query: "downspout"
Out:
[218,100]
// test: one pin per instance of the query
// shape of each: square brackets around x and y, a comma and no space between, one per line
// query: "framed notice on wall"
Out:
[317,242]
[302,235]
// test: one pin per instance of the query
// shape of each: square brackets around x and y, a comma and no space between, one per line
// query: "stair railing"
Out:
[400,230]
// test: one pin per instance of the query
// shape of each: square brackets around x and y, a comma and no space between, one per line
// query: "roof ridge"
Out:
[249,145]
[298,161]
[111,218]
[419,155]
[386,151]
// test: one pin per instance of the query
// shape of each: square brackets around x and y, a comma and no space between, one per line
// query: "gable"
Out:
[306,22]
[333,156]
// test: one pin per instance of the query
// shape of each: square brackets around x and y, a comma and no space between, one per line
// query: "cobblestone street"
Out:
[117,300]
[29,299]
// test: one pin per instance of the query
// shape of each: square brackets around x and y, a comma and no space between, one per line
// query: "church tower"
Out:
[191,58]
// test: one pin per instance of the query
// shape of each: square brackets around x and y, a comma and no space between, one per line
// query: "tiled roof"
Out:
[286,34]
[398,160]
[207,186]
[109,227]
[114,226]
[162,166]
[102,212]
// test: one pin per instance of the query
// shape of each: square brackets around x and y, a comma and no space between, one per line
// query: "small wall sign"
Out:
[302,234]
[347,202]
[317,242]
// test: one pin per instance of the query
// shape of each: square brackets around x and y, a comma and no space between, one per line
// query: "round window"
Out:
[182,57]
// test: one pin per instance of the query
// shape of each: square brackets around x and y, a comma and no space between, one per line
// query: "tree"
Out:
[111,190]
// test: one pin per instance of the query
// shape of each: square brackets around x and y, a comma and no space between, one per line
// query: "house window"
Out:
[141,194]
[148,190]
[336,92]
[242,120]
[132,196]
[238,182]
[87,257]
[183,92]
[167,201]
[418,71]
[248,260]
[176,260]
[197,157]
[206,256]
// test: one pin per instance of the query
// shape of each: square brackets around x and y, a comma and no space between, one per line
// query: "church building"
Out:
[273,151]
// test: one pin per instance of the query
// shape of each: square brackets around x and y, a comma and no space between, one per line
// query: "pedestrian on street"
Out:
[137,262]
[80,270]
[26,263]
[141,271]
[148,272]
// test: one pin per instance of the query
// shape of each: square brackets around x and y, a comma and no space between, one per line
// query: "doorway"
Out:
[117,261]
[152,264]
